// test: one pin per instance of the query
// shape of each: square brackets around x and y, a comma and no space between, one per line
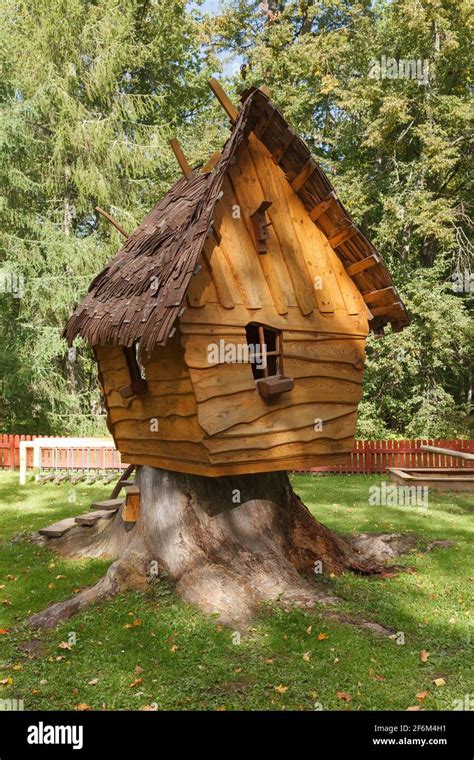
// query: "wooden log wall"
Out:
[211,418]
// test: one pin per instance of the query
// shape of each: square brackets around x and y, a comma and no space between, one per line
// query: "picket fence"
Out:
[367,457]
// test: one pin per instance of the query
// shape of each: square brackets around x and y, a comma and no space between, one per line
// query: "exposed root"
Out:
[229,544]
[126,573]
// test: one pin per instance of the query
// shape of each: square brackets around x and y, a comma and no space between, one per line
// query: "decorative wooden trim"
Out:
[304,175]
[260,226]
[386,308]
[210,163]
[110,219]
[362,265]
[374,296]
[340,236]
[323,206]
[265,119]
[223,99]
[286,139]
[181,158]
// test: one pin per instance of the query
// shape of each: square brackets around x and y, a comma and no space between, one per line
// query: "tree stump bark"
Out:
[227,543]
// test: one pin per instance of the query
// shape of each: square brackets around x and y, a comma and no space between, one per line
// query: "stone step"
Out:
[90,518]
[58,529]
[112,504]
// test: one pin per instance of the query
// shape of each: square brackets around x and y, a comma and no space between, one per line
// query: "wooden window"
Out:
[138,385]
[267,364]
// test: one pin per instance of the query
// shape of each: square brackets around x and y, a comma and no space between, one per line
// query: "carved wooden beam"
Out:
[360,266]
[323,206]
[304,175]
[223,99]
[389,308]
[342,235]
[181,158]
[286,139]
[211,162]
[375,296]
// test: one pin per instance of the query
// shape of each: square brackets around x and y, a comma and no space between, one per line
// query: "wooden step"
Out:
[58,528]
[125,483]
[112,504]
[90,518]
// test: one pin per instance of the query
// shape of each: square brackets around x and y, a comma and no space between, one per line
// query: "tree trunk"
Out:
[227,543]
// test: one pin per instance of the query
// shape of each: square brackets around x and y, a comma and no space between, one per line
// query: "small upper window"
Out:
[266,356]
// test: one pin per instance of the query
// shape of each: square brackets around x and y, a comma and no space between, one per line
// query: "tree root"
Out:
[228,544]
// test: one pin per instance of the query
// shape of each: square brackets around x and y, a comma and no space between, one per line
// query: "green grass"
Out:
[187,661]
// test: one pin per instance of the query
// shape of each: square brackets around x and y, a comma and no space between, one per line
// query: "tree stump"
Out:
[227,543]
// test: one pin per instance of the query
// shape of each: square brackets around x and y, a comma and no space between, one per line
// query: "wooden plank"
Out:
[59,528]
[362,265]
[249,194]
[286,139]
[239,251]
[211,162]
[221,413]
[218,470]
[386,295]
[327,351]
[147,407]
[296,417]
[223,99]
[389,308]
[299,448]
[225,286]
[182,450]
[112,504]
[305,173]
[171,429]
[201,288]
[323,206]
[90,518]
[214,314]
[342,235]
[181,158]
[341,428]
[275,189]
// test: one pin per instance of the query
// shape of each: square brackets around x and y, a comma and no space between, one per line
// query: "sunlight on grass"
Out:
[153,649]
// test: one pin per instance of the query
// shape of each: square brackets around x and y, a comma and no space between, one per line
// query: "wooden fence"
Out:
[367,457]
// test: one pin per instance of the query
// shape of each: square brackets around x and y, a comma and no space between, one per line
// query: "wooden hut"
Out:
[230,328]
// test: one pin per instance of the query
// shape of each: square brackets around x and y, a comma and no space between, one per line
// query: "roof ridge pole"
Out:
[223,99]
[110,219]
[181,158]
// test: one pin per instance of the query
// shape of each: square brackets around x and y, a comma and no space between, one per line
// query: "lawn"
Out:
[152,649]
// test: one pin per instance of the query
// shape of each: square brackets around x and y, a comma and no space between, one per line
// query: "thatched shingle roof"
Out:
[140,293]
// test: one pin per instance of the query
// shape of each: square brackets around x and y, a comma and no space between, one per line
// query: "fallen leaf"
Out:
[6,681]
[60,657]
[421,696]
[413,708]
[135,683]
[82,707]
[7,602]
[309,629]
[439,682]
[344,696]
[149,708]
[307,656]
[281,689]
[138,670]
[424,655]
[59,577]
[174,648]
[322,636]
[221,708]
[3,631]
[64,645]
[93,681]
[269,661]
